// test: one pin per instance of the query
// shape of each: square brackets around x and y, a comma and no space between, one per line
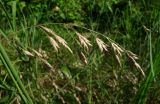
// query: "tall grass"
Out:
[6,61]
[92,63]
[14,75]
[142,95]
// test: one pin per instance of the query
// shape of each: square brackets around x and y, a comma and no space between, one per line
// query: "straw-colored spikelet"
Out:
[146,29]
[118,52]
[57,91]
[139,67]
[77,98]
[54,43]
[47,64]
[63,42]
[96,97]
[117,49]
[131,77]
[28,53]
[49,31]
[84,41]
[37,53]
[44,54]
[102,46]
[83,58]
[118,59]
[58,38]
[132,57]
[131,54]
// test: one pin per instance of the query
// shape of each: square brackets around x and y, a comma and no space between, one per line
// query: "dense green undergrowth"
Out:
[93,51]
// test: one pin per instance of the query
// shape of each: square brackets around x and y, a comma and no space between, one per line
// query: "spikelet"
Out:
[63,42]
[77,98]
[117,49]
[57,91]
[49,31]
[84,41]
[54,43]
[28,53]
[131,77]
[132,57]
[83,58]
[37,53]
[47,64]
[145,28]
[44,54]
[118,52]
[102,46]
[58,38]
[131,54]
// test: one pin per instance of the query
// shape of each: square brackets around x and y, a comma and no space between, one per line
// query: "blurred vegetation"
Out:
[71,71]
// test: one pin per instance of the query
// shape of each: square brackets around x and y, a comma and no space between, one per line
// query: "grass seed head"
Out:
[37,53]
[131,54]
[102,46]
[139,67]
[54,43]
[84,41]
[63,42]
[132,59]
[145,28]
[118,52]
[47,30]
[44,53]
[117,49]
[83,58]
[28,53]
[48,64]
[58,38]
[77,98]
[118,60]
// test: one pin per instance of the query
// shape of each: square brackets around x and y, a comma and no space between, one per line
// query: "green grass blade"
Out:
[141,96]
[14,75]
[14,80]
[7,16]
[150,52]
[14,14]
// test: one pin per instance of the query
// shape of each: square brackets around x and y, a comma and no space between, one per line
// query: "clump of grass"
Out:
[14,75]
[85,43]
[141,96]
[96,70]
[87,57]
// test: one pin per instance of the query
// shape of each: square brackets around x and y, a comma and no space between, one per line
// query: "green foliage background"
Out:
[132,24]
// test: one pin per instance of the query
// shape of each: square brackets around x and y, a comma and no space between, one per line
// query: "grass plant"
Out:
[65,54]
